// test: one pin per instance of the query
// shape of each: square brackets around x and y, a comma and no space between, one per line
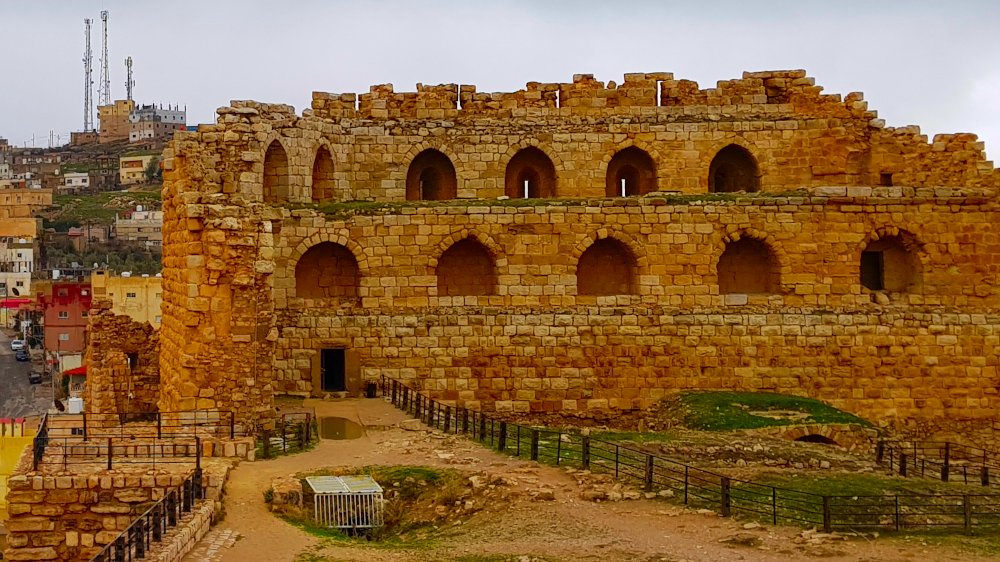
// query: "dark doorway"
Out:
[872,268]
[332,366]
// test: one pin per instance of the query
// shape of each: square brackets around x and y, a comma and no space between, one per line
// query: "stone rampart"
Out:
[517,250]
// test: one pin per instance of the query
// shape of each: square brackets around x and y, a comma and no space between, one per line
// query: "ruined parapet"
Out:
[123,372]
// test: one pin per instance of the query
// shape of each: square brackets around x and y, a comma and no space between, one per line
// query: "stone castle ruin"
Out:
[580,246]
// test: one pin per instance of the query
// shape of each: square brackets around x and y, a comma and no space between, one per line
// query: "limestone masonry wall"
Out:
[123,368]
[805,249]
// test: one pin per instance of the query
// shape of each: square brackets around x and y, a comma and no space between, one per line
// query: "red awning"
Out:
[79,371]
[13,303]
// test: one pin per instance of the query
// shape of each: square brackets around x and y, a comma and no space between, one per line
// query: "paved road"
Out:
[18,398]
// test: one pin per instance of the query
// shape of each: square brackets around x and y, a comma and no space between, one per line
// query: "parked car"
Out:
[22,355]
[34,377]
[16,345]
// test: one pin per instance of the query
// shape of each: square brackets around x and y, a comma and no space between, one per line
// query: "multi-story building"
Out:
[140,226]
[136,297]
[75,182]
[17,201]
[37,167]
[66,313]
[114,120]
[152,122]
[104,177]
[132,168]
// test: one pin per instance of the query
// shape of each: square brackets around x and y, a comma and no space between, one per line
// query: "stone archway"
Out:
[631,172]
[431,177]
[733,169]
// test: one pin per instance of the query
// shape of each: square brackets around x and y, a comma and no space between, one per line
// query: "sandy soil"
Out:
[567,528]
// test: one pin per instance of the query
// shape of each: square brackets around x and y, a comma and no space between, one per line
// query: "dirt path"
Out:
[566,528]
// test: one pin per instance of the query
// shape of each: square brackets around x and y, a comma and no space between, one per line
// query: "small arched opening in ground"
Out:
[733,169]
[431,177]
[275,174]
[816,438]
[607,267]
[322,189]
[466,269]
[888,264]
[748,266]
[530,174]
[630,172]
[327,270]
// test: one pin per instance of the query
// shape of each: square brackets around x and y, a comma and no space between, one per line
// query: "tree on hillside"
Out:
[153,171]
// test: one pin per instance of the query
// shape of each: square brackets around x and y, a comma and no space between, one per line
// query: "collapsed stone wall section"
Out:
[123,367]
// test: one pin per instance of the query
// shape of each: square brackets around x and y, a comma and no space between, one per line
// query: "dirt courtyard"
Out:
[526,526]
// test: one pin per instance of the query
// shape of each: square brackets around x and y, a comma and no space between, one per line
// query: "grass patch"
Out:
[724,411]
[99,208]
[420,502]
[339,210]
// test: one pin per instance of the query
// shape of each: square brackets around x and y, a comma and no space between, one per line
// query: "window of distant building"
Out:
[63,314]
[130,295]
[63,337]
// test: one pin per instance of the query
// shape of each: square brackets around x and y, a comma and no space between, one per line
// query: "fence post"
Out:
[416,407]
[110,448]
[649,473]
[465,421]
[267,443]
[986,475]
[586,452]
[727,500]
[395,390]
[534,444]
[197,453]
[447,418]
[902,464]
[482,426]
[502,440]
[967,511]
[879,451]
[159,426]
[774,506]
[947,461]
[827,516]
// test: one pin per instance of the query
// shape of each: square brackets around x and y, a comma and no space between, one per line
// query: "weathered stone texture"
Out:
[123,368]
[525,335]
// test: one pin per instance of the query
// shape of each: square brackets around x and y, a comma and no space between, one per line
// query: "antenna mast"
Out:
[129,83]
[104,90]
[88,107]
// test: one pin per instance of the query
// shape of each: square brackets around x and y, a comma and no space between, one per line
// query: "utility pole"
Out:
[88,83]
[104,90]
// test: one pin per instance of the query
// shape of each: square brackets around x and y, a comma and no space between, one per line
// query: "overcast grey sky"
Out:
[933,64]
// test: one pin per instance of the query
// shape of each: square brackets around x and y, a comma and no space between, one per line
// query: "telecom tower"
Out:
[129,83]
[88,83]
[104,89]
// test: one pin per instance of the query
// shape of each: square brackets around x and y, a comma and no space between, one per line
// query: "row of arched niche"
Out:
[607,267]
[530,173]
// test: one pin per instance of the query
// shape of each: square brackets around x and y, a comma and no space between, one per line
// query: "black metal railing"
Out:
[293,432]
[111,452]
[136,541]
[943,460]
[699,487]
[40,441]
[164,425]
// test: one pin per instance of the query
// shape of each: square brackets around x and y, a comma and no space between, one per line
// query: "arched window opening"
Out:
[733,169]
[631,172]
[530,174]
[466,269]
[327,270]
[606,268]
[431,177]
[887,264]
[322,188]
[747,266]
[275,174]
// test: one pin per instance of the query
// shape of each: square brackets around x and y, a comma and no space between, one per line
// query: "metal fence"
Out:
[165,425]
[135,542]
[949,462]
[293,432]
[60,440]
[698,487]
